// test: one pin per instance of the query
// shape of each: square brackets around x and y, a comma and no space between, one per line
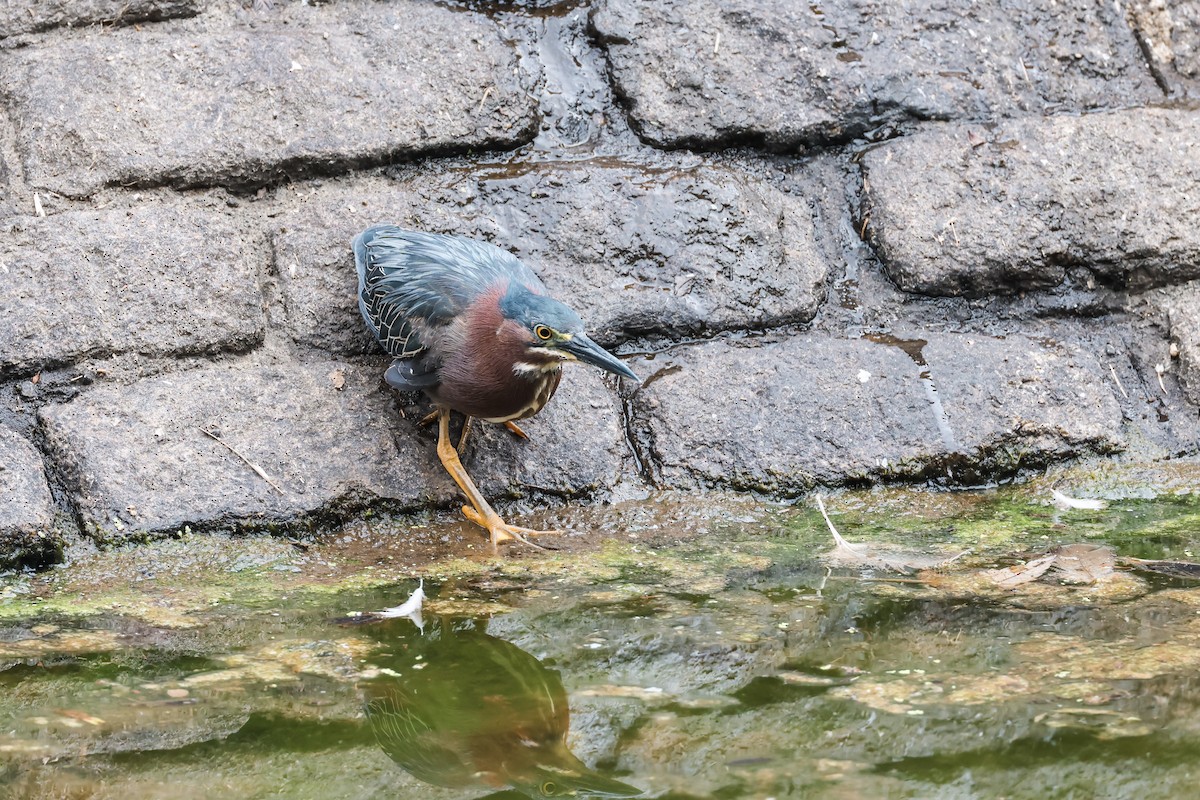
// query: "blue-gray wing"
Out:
[410,282]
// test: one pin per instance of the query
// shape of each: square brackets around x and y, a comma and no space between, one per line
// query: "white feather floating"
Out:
[410,608]
[1065,501]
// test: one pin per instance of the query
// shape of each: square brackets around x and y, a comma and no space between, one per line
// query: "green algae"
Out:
[705,648]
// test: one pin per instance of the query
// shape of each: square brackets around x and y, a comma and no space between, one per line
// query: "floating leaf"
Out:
[1019,574]
[1084,563]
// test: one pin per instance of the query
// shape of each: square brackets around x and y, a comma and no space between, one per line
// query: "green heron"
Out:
[474,329]
[458,708]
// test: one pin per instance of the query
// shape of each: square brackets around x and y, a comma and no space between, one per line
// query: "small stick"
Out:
[37,205]
[257,469]
[717,44]
[1118,380]
[483,100]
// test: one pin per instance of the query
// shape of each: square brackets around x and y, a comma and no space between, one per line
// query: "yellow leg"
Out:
[479,512]
[432,417]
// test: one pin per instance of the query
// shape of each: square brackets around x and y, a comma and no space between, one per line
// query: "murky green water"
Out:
[730,664]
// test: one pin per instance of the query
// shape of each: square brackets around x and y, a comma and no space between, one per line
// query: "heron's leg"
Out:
[479,512]
[432,417]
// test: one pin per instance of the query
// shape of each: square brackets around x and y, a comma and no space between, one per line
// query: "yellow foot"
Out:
[501,531]
[516,430]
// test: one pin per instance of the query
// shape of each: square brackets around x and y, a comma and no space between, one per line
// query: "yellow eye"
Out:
[542,332]
[548,788]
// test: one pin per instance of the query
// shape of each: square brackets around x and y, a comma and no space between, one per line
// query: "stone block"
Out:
[781,417]
[783,74]
[670,251]
[135,459]
[26,506]
[156,280]
[25,16]
[311,90]
[973,210]
[1169,32]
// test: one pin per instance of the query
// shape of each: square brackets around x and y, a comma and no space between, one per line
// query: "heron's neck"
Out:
[533,370]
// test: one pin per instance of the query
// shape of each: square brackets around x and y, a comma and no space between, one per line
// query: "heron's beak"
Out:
[587,351]
[570,777]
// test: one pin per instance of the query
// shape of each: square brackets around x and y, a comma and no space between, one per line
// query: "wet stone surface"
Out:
[1015,399]
[1182,306]
[748,414]
[155,280]
[784,416]
[24,16]
[26,508]
[968,210]
[788,74]
[309,89]
[1169,31]
[136,460]
[979,276]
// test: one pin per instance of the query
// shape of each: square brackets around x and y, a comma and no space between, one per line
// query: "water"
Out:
[683,648]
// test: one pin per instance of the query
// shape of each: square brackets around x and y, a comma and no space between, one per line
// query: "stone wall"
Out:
[843,243]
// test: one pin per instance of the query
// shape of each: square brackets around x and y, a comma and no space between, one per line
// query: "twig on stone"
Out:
[482,100]
[717,44]
[257,469]
[37,205]
[1159,370]
[1118,380]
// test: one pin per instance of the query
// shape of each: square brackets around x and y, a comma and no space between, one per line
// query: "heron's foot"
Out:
[516,430]
[500,531]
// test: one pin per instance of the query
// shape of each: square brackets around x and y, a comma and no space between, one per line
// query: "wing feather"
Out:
[410,282]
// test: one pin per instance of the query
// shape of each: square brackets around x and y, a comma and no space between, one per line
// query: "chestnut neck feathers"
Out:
[499,377]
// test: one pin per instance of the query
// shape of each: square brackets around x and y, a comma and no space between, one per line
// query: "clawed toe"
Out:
[501,531]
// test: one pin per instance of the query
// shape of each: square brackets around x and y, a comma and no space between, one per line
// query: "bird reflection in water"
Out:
[458,708]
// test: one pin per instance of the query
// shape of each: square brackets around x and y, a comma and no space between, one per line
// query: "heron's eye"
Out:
[548,788]
[542,332]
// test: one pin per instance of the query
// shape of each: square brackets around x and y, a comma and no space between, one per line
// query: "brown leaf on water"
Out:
[1084,563]
[1020,573]
[81,716]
